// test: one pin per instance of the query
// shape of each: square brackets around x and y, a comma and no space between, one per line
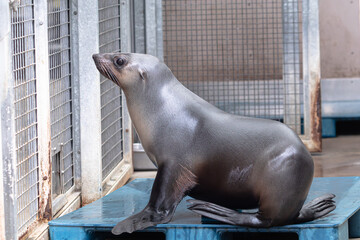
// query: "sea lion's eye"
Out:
[120,61]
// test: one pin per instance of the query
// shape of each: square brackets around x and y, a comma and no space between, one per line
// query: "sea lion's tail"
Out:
[316,208]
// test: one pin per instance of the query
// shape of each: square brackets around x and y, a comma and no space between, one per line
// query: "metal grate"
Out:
[60,91]
[242,56]
[111,97]
[27,166]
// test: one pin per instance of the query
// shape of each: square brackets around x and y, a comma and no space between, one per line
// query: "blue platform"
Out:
[95,220]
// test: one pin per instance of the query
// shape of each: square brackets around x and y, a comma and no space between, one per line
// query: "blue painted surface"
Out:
[103,214]
[328,127]
[354,225]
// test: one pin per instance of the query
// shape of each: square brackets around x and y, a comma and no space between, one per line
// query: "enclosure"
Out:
[66,135]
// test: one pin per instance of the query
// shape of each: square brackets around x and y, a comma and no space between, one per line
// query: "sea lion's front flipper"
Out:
[170,186]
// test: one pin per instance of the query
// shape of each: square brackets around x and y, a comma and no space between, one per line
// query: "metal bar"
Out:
[107,6]
[43,110]
[110,30]
[111,112]
[107,127]
[109,89]
[117,155]
[113,145]
[62,131]
[7,131]
[311,75]
[291,64]
[126,47]
[29,203]
[125,30]
[109,43]
[159,30]
[59,120]
[89,93]
[115,96]
[61,105]
[75,68]
[109,18]
[139,26]
[26,127]
[28,173]
[150,27]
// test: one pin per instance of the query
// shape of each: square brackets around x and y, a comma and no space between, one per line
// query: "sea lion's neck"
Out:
[157,106]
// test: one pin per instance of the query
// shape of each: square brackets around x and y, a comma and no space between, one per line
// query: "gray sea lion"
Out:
[223,161]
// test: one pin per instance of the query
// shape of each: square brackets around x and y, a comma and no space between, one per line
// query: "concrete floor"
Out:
[340,157]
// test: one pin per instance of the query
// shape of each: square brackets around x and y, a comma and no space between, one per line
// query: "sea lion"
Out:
[223,161]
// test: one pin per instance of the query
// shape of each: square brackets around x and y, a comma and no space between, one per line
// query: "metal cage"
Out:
[247,58]
[65,132]
[27,166]
[58,12]
[111,97]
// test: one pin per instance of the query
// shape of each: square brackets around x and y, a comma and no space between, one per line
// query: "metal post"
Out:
[311,75]
[43,110]
[139,26]
[2,209]
[291,65]
[88,86]
[150,27]
[159,31]
[75,93]
[126,47]
[7,130]
[125,29]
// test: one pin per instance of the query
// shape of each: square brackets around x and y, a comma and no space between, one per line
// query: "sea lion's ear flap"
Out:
[143,74]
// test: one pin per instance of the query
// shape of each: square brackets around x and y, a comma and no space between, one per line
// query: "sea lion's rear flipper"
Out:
[227,215]
[316,208]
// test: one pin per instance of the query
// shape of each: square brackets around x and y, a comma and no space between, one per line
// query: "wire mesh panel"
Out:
[23,65]
[60,95]
[242,56]
[111,97]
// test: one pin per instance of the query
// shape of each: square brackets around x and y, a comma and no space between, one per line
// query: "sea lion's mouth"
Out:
[104,68]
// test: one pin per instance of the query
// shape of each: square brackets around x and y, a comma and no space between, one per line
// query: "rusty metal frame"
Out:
[311,76]
[81,54]
[43,111]
[43,123]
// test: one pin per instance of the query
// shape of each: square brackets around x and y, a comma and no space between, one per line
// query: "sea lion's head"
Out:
[127,70]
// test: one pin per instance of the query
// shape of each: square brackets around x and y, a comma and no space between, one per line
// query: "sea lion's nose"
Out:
[95,56]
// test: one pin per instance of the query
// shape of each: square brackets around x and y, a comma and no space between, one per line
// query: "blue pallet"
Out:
[329,125]
[95,220]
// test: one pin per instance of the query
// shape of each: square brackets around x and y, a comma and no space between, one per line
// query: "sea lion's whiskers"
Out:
[111,74]
[103,70]
[107,71]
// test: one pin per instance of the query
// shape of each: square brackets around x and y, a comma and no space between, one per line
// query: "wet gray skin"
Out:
[223,161]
